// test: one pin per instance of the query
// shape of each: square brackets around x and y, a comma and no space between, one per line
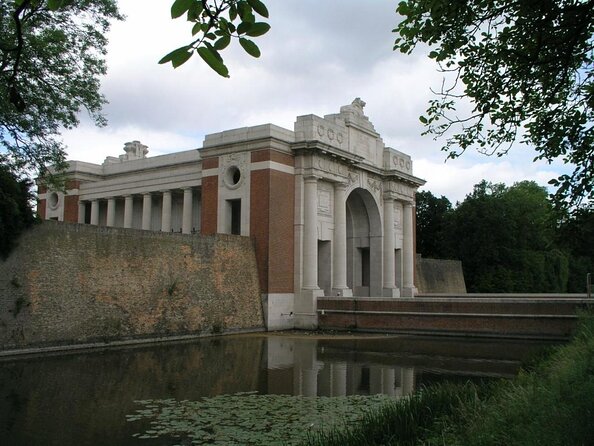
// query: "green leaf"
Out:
[244,27]
[222,43]
[54,5]
[259,7]
[196,28]
[213,59]
[258,29]
[250,47]
[232,12]
[179,7]
[177,57]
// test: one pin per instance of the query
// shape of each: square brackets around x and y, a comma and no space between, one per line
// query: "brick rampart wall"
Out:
[70,283]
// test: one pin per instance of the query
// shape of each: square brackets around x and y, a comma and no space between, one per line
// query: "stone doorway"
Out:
[364,244]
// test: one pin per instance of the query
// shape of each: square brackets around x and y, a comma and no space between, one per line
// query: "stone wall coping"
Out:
[475,297]
[245,134]
[131,166]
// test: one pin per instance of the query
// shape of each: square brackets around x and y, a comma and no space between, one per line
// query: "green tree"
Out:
[525,67]
[432,214]
[15,208]
[505,240]
[575,235]
[52,55]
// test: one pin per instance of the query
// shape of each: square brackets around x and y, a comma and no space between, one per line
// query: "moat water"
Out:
[245,389]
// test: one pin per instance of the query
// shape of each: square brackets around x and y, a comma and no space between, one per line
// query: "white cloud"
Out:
[317,57]
[456,178]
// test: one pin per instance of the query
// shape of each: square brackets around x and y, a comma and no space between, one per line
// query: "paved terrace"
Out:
[526,316]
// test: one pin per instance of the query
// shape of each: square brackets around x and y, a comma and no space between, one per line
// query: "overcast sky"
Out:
[318,56]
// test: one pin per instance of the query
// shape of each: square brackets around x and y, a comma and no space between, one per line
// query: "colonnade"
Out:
[341,379]
[339,252]
[147,210]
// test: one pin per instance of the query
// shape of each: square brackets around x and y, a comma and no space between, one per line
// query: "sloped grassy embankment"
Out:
[551,404]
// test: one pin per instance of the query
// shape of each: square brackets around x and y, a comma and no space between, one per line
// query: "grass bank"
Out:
[550,404]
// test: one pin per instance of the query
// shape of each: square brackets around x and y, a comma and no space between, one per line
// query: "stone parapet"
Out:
[537,318]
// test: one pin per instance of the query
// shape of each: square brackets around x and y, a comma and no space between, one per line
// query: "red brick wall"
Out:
[72,184]
[260,222]
[272,198]
[281,244]
[210,198]
[210,163]
[71,208]
[41,208]
[208,213]
[272,155]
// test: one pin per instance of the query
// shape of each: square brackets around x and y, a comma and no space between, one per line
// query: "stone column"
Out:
[128,210]
[94,212]
[390,289]
[408,251]
[339,260]
[166,212]
[310,233]
[81,211]
[111,211]
[187,211]
[147,208]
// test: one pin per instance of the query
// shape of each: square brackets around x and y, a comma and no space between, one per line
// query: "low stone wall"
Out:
[72,284]
[439,276]
[527,317]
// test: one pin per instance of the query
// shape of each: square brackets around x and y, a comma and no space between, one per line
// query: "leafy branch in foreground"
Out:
[52,55]
[215,23]
[527,67]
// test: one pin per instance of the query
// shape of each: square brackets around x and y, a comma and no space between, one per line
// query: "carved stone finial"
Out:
[135,150]
[358,104]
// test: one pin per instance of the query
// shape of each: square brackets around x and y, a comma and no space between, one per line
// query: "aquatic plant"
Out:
[250,418]
[402,422]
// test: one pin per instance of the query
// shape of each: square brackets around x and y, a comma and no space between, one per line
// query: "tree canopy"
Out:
[509,239]
[15,209]
[524,70]
[52,54]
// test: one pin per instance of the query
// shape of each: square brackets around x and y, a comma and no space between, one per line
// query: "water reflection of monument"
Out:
[312,376]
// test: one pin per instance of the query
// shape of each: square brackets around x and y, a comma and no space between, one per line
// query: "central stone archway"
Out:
[364,244]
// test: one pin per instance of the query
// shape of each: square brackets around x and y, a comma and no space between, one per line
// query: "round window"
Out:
[233,176]
[52,200]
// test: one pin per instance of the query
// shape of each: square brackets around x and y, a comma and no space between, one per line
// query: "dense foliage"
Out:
[51,58]
[509,239]
[514,70]
[15,208]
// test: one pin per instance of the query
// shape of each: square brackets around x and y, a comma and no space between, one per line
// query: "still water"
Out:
[185,393]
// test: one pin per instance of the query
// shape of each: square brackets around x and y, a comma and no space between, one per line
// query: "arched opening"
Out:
[364,244]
